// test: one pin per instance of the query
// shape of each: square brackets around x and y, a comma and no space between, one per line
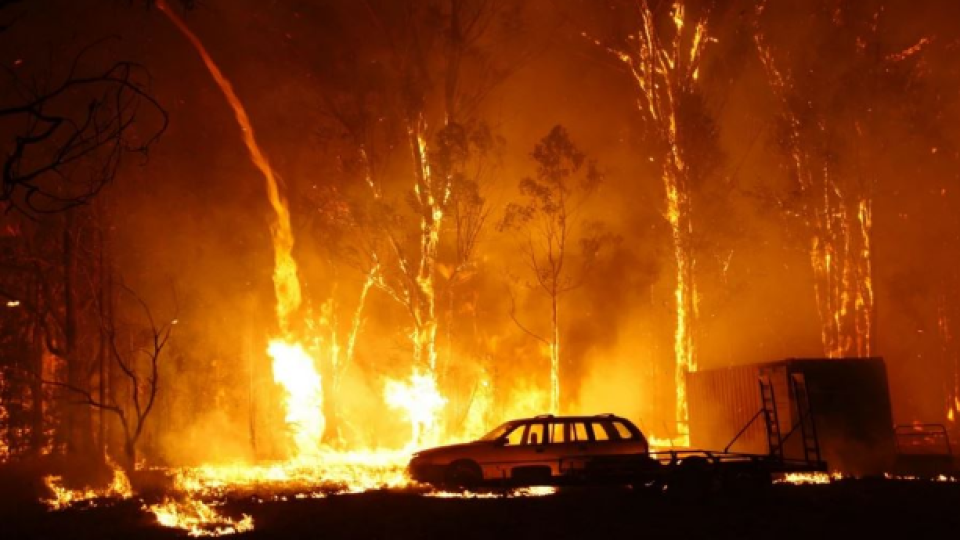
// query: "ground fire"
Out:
[275,267]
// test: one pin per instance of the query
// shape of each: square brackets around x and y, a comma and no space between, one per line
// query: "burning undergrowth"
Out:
[194,499]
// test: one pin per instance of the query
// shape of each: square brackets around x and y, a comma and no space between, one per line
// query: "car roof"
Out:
[570,417]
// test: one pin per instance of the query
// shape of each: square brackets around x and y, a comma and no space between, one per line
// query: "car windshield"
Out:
[498,432]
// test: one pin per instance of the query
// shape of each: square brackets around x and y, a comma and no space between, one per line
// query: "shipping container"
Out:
[849,401]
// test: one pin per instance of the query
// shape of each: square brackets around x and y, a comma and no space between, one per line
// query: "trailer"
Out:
[696,471]
[815,409]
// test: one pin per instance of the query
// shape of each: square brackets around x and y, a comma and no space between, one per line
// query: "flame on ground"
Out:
[326,473]
[63,497]
[801,478]
[532,491]
[197,518]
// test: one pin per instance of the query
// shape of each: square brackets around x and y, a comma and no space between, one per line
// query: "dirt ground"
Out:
[851,509]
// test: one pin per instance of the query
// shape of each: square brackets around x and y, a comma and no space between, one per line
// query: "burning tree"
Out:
[419,96]
[827,110]
[548,224]
[664,56]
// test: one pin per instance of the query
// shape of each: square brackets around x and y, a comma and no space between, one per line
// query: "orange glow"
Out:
[809,478]
[662,70]
[197,518]
[838,218]
[286,282]
[119,488]
[295,371]
[421,403]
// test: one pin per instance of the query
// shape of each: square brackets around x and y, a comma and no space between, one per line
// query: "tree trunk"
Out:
[78,416]
[679,215]
[555,353]
[38,437]
[431,216]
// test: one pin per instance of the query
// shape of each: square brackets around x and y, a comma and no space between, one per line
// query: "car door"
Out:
[614,449]
[575,449]
[525,459]
[499,460]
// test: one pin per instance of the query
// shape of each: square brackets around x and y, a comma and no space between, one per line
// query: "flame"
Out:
[662,70]
[421,403]
[941,478]
[532,491]
[4,422]
[63,497]
[666,443]
[327,472]
[198,518]
[839,220]
[294,369]
[285,280]
[480,407]
[801,478]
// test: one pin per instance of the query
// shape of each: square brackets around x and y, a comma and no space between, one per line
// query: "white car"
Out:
[544,450]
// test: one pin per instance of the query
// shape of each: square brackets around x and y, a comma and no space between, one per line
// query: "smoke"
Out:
[195,217]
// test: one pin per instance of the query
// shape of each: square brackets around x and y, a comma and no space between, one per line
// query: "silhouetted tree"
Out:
[549,225]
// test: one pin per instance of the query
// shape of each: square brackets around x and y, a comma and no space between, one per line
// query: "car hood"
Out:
[451,449]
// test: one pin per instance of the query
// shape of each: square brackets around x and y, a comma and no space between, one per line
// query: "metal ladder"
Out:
[769,408]
[808,427]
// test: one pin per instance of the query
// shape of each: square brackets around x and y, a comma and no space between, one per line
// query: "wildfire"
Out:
[838,217]
[421,402]
[325,473]
[809,478]
[63,497]
[198,518]
[663,69]
[294,369]
[533,491]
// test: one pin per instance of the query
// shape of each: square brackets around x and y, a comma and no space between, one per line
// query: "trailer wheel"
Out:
[747,481]
[692,479]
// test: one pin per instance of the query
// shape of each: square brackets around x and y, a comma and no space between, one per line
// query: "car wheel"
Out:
[463,474]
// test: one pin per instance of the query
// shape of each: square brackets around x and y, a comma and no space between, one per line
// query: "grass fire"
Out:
[434,268]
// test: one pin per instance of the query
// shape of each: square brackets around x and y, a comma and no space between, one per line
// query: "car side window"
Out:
[515,436]
[578,432]
[535,435]
[558,432]
[599,433]
[623,430]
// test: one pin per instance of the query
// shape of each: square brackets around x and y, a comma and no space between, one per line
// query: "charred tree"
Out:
[71,136]
[827,113]
[136,351]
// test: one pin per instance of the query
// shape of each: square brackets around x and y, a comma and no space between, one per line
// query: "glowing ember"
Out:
[809,478]
[198,518]
[534,491]
[421,402]
[938,478]
[294,369]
